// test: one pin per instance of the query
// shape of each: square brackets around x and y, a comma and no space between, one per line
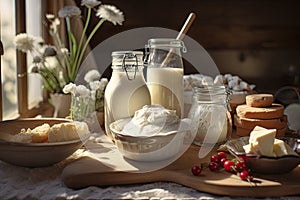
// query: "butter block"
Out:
[261,141]
[281,148]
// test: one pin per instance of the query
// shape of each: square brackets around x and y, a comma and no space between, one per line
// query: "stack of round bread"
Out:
[260,110]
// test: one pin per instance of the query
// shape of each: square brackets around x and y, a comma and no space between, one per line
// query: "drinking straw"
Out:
[186,26]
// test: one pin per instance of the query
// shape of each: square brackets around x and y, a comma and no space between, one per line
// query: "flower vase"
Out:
[61,103]
[82,108]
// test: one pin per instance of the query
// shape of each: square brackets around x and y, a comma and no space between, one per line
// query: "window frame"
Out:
[43,108]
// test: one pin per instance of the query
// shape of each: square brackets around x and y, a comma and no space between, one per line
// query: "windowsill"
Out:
[44,109]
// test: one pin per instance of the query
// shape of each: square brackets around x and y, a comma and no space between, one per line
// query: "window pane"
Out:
[8,60]
[33,27]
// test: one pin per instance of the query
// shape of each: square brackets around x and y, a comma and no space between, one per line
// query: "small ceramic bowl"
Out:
[34,154]
[264,164]
[146,148]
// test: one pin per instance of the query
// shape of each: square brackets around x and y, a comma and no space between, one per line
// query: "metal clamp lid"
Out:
[124,66]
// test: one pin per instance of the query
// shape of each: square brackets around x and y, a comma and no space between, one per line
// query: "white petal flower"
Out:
[51,63]
[103,84]
[69,11]
[50,16]
[110,13]
[90,3]
[92,75]
[82,91]
[64,51]
[69,88]
[95,85]
[93,95]
[24,42]
[54,26]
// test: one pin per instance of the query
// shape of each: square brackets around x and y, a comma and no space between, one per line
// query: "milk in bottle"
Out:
[126,91]
[165,73]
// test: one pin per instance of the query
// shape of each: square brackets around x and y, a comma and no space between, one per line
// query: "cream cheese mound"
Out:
[152,120]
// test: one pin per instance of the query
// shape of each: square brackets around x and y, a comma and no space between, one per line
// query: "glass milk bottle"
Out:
[210,115]
[165,73]
[126,91]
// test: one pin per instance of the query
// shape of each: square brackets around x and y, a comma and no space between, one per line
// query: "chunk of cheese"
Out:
[282,149]
[261,141]
[67,131]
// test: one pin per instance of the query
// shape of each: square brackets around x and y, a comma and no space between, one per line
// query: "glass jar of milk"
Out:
[210,115]
[126,92]
[165,73]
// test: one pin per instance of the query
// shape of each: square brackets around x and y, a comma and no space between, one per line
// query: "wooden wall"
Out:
[256,39]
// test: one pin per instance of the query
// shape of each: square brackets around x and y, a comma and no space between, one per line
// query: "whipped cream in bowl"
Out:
[154,133]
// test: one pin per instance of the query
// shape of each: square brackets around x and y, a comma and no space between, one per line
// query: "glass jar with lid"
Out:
[165,73]
[210,113]
[126,92]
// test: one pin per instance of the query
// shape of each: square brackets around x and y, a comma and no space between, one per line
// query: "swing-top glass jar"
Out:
[210,113]
[126,91]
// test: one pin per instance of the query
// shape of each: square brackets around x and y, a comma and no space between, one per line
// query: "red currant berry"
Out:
[215,159]
[229,165]
[222,154]
[196,170]
[241,166]
[222,161]
[244,175]
[213,166]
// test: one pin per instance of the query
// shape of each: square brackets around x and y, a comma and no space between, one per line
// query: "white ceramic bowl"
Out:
[147,149]
[34,154]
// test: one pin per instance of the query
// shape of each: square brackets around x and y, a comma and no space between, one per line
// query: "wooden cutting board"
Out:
[95,170]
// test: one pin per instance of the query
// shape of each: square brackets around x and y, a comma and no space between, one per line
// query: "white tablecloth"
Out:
[45,183]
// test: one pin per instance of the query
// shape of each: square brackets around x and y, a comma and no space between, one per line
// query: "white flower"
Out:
[110,13]
[64,51]
[92,75]
[50,16]
[95,85]
[54,26]
[69,11]
[93,95]
[24,42]
[69,88]
[82,91]
[51,63]
[90,3]
[103,83]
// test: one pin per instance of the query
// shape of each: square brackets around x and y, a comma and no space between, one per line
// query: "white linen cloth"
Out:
[45,183]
